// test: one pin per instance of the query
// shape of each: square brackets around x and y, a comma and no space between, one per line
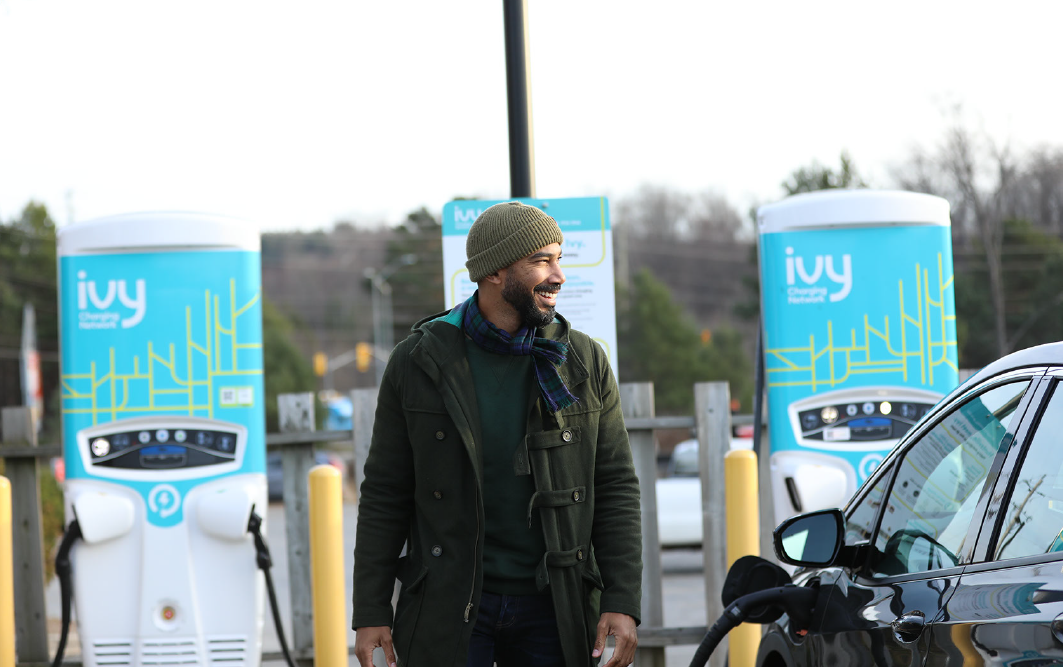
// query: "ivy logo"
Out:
[795,268]
[463,218]
[99,317]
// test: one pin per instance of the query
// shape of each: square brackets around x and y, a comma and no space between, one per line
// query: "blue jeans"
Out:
[515,631]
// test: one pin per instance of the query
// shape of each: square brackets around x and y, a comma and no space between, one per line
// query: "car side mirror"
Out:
[811,540]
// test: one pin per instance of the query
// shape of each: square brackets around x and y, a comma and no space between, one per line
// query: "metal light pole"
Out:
[383,330]
[518,95]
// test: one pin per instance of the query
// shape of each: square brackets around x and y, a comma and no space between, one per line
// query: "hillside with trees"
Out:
[685,266]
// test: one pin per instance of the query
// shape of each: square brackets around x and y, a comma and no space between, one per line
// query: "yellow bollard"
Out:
[326,567]
[743,539]
[7,579]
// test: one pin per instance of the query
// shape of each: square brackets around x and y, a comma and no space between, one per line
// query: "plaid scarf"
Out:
[547,355]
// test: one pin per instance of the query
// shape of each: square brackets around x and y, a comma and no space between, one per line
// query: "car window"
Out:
[861,519]
[937,485]
[1034,518]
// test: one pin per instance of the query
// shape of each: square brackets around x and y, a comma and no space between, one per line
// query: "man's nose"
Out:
[558,276]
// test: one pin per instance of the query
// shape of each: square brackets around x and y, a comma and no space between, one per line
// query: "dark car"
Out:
[951,553]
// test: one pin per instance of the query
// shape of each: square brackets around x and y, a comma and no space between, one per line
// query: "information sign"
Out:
[587,299]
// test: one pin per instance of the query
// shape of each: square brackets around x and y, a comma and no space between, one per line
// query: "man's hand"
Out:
[367,639]
[622,627]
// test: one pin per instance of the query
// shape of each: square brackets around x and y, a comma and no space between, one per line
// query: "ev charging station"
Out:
[163,436]
[859,333]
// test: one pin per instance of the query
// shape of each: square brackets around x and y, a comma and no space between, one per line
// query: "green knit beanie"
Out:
[505,233]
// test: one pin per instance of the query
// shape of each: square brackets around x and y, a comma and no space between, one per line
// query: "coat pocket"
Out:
[411,576]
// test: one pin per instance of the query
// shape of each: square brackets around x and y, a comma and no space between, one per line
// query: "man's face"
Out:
[532,283]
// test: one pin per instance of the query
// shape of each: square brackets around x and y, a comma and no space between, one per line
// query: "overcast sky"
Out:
[296,115]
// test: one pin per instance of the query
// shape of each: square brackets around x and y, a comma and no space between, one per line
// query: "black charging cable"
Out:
[797,601]
[265,562]
[62,570]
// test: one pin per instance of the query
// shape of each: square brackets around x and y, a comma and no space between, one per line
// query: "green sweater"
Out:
[512,550]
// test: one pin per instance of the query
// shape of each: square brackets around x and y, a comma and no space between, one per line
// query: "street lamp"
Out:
[383,329]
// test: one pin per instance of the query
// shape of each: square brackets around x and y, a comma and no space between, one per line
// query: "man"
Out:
[500,459]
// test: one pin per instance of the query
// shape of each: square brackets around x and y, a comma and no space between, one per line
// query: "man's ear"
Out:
[494,278]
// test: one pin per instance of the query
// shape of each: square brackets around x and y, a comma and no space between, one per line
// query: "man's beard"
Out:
[522,299]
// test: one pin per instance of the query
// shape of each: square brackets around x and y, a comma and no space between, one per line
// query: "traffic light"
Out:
[320,364]
[363,356]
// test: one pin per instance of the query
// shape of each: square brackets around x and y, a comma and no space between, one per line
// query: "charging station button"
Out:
[226,443]
[809,420]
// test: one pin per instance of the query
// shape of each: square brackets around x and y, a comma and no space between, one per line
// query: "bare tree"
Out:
[1040,190]
[669,215]
[712,218]
[654,211]
[979,178]
[988,208]
[694,244]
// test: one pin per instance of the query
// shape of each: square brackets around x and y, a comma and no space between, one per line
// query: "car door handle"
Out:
[909,626]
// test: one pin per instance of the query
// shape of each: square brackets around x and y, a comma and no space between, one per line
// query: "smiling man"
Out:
[501,461]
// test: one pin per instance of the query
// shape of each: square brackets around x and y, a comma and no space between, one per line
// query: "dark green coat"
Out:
[423,487]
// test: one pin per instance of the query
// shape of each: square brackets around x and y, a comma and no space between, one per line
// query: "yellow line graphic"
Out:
[178,389]
[797,366]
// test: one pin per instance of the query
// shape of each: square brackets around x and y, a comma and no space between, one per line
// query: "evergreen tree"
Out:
[28,275]
[285,369]
[416,288]
[659,343]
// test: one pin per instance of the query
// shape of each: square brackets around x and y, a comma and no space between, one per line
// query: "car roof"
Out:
[1049,354]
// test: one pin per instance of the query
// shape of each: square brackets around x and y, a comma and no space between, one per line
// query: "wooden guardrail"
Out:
[712,422]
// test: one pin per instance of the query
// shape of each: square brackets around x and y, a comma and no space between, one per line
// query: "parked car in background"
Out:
[951,553]
[275,471]
[679,521]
